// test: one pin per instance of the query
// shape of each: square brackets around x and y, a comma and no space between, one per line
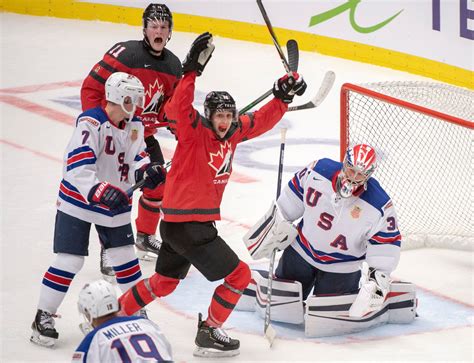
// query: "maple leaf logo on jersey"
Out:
[221,161]
[156,96]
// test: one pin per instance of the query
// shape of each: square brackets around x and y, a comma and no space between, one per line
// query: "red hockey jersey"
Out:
[159,76]
[202,163]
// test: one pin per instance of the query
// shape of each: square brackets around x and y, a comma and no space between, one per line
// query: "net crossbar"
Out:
[423,136]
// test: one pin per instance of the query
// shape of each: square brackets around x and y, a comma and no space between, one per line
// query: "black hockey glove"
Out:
[199,54]
[108,195]
[286,87]
[153,173]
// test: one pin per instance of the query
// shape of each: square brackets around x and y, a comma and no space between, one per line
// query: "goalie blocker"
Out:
[326,315]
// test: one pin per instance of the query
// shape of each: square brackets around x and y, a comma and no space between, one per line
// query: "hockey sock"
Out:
[146,291]
[126,267]
[148,216]
[57,279]
[228,294]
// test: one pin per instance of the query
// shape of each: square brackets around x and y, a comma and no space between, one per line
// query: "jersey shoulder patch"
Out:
[94,116]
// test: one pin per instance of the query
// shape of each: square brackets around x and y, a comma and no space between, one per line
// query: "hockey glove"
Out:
[153,173]
[199,54]
[108,195]
[286,87]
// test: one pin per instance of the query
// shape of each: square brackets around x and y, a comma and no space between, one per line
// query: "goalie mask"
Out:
[358,165]
[97,299]
[124,89]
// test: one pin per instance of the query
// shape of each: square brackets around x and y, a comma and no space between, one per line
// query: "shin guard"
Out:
[228,294]
[145,291]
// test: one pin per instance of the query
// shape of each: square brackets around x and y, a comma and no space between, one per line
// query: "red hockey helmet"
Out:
[358,165]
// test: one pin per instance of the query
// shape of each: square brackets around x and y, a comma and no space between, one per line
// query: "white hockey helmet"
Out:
[97,299]
[123,88]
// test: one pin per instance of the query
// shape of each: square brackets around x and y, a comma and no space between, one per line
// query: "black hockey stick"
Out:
[141,183]
[273,35]
[293,60]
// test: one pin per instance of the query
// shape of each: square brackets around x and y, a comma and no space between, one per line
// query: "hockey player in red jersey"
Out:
[159,70]
[202,165]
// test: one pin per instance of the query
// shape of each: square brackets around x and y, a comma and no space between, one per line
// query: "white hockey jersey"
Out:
[336,234]
[99,151]
[124,339]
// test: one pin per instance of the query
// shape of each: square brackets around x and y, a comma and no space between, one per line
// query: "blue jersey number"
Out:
[143,345]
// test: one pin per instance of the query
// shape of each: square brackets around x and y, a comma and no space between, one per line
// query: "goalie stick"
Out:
[293,60]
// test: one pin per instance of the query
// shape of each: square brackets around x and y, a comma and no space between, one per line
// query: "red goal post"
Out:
[423,136]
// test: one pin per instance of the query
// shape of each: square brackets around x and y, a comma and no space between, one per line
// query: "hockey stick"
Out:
[141,183]
[268,329]
[274,38]
[323,91]
[293,60]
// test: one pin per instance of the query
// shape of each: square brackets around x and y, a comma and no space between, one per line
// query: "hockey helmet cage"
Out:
[358,166]
[121,87]
[157,12]
[219,101]
[97,299]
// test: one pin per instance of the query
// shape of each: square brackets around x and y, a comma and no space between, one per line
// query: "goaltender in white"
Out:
[343,249]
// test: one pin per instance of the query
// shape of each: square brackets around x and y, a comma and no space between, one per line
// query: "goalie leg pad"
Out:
[329,315]
[286,300]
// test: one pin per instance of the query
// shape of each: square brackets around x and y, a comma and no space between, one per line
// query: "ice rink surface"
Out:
[43,62]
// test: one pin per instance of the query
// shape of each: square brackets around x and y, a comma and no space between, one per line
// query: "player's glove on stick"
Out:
[199,54]
[286,87]
[108,195]
[153,173]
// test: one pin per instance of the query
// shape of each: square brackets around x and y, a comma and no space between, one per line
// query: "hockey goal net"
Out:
[423,135]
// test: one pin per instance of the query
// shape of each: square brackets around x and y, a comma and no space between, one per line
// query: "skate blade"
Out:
[214,353]
[146,255]
[41,340]
[109,278]
[86,328]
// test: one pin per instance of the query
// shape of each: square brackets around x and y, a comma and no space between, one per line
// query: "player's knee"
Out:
[68,262]
[162,285]
[240,277]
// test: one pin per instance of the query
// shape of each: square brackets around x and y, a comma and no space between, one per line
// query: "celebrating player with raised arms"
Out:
[105,156]
[202,165]
[116,338]
[346,220]
[159,70]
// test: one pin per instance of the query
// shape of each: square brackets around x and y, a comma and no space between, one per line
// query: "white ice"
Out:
[40,51]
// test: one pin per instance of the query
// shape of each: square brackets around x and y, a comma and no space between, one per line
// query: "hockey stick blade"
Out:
[323,91]
[270,334]
[293,54]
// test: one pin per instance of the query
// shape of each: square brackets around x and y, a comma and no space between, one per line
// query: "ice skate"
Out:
[44,333]
[148,246]
[107,271]
[214,342]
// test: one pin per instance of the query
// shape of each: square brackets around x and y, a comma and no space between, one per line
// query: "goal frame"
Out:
[344,105]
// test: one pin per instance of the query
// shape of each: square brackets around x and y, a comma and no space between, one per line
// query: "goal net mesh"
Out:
[423,136]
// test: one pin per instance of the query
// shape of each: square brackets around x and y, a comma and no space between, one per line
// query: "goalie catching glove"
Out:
[199,54]
[270,232]
[374,286]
